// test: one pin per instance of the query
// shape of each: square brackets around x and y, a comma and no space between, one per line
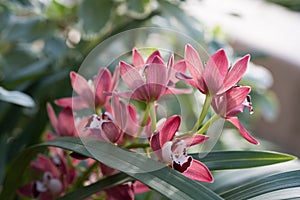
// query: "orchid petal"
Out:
[169,129]
[193,62]
[66,125]
[194,140]
[155,145]
[44,164]
[151,57]
[130,76]
[52,117]
[102,84]
[171,90]
[235,97]
[184,165]
[235,121]
[82,88]
[199,172]
[76,103]
[110,131]
[137,59]
[215,71]
[140,187]
[235,74]
[124,191]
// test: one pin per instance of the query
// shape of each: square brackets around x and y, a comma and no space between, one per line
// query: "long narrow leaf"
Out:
[157,176]
[221,160]
[264,185]
[103,184]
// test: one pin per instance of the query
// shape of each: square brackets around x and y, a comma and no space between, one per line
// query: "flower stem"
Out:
[143,123]
[203,113]
[153,116]
[137,145]
[207,124]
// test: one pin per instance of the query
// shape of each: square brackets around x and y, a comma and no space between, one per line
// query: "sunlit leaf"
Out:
[221,160]
[16,97]
[264,185]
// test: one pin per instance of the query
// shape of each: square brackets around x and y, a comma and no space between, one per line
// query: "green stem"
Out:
[203,113]
[207,124]
[144,122]
[137,145]
[153,116]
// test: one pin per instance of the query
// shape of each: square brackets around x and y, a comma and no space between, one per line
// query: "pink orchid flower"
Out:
[216,77]
[152,79]
[116,126]
[55,179]
[173,151]
[232,102]
[91,93]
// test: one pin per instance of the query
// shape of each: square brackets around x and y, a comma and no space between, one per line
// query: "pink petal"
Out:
[52,117]
[178,67]
[111,133]
[154,142]
[82,88]
[172,90]
[76,103]
[235,74]
[130,76]
[103,84]
[194,140]
[235,97]
[44,164]
[215,71]
[151,57]
[235,121]
[140,187]
[199,172]
[124,191]
[169,129]
[29,190]
[66,125]
[193,62]
[115,78]
[188,79]
[137,59]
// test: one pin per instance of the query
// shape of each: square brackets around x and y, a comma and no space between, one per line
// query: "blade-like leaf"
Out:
[221,160]
[103,184]
[264,185]
[157,176]
[16,97]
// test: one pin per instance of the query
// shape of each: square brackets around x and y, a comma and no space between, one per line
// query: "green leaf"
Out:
[264,185]
[221,160]
[103,184]
[157,176]
[16,97]
[94,15]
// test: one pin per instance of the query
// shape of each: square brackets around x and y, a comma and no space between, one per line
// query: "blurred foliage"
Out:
[290,4]
[42,41]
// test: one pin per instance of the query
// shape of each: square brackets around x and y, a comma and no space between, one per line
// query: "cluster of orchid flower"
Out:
[119,123]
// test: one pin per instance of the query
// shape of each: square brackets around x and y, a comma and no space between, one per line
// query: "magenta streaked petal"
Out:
[235,97]
[172,90]
[193,62]
[154,141]
[156,78]
[194,140]
[169,129]
[44,164]
[178,67]
[29,190]
[76,103]
[115,78]
[235,74]
[65,124]
[110,132]
[137,59]
[215,71]
[52,117]
[130,76]
[199,172]
[124,191]
[102,84]
[82,88]
[152,56]
[235,121]
[140,187]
